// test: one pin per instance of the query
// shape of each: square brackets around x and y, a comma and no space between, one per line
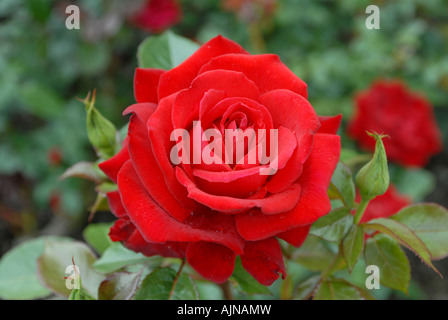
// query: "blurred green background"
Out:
[44,67]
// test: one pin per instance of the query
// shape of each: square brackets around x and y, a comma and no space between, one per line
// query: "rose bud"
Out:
[101,132]
[373,179]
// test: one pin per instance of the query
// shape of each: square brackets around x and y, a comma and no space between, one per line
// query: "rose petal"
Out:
[159,129]
[146,82]
[213,261]
[212,112]
[314,201]
[266,70]
[115,204]
[295,236]
[112,166]
[292,111]
[187,102]
[238,184]
[264,260]
[121,230]
[330,124]
[274,204]
[157,226]
[142,156]
[137,243]
[181,76]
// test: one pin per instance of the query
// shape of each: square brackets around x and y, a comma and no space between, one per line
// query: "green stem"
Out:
[361,209]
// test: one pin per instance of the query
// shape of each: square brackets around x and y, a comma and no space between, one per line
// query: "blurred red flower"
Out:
[407,117]
[385,205]
[157,15]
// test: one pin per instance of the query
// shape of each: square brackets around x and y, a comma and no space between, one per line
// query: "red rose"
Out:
[385,205]
[158,15]
[392,109]
[211,213]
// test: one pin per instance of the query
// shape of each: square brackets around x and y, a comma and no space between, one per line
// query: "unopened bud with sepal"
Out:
[100,131]
[373,179]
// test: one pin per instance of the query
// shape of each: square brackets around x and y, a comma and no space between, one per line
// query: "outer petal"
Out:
[295,236]
[266,70]
[313,202]
[213,261]
[330,124]
[264,260]
[112,166]
[146,82]
[115,204]
[142,155]
[181,76]
[137,243]
[121,230]
[159,128]
[157,226]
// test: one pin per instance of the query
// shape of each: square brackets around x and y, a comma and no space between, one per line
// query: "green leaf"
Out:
[85,170]
[384,252]
[117,256]
[340,289]
[165,51]
[96,235]
[429,221]
[307,288]
[55,259]
[106,187]
[352,245]
[342,185]
[405,236]
[333,226]
[119,286]
[245,282]
[314,254]
[159,285]
[18,272]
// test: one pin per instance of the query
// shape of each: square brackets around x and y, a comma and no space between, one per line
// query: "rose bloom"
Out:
[212,213]
[385,205]
[157,15]
[391,108]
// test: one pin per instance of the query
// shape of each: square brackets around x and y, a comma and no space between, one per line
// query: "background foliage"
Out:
[44,67]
